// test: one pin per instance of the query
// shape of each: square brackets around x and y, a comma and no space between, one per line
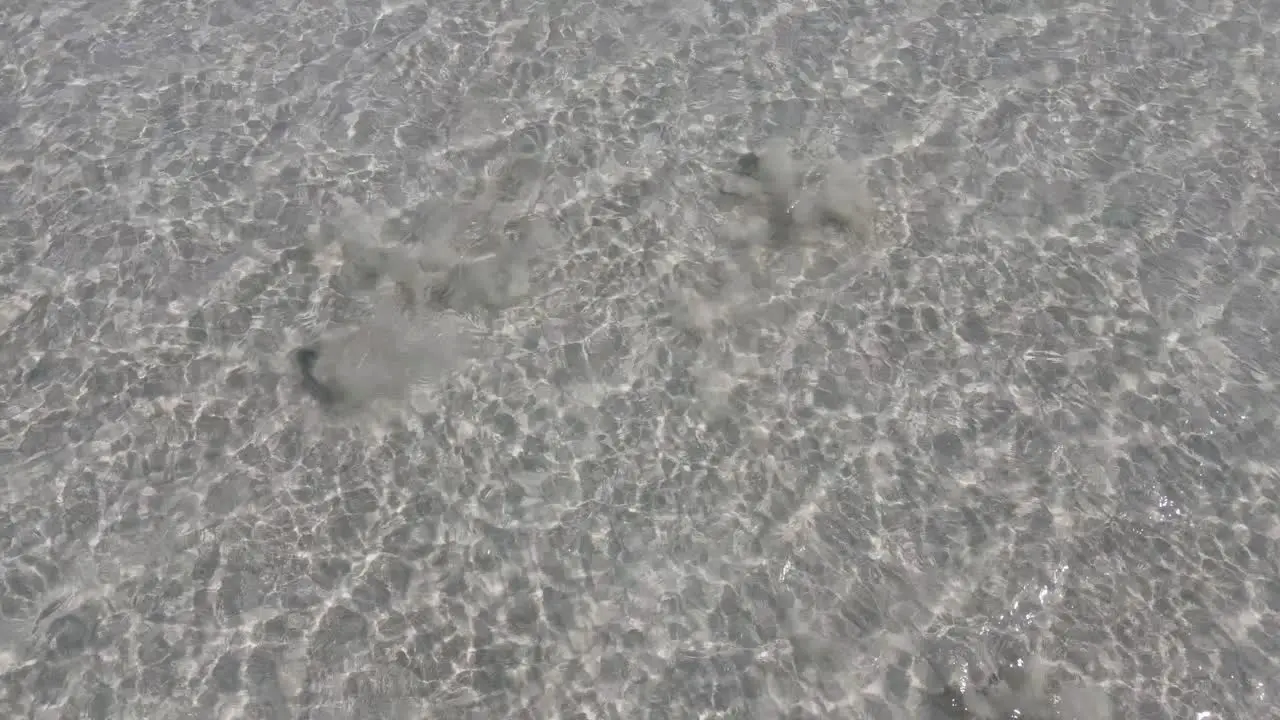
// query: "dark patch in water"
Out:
[306,358]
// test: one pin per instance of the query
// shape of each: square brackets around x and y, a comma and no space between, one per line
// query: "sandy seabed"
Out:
[966,406]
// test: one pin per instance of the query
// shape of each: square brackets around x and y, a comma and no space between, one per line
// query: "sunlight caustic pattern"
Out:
[963,402]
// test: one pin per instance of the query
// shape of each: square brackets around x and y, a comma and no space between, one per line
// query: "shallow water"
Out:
[680,475]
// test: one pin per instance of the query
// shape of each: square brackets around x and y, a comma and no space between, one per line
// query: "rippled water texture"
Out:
[966,402]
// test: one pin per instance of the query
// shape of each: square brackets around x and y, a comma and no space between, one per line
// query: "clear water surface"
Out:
[681,477]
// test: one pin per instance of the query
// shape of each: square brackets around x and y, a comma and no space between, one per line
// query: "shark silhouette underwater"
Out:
[416,329]
[839,200]
[378,357]
[770,178]
[384,356]
[304,359]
